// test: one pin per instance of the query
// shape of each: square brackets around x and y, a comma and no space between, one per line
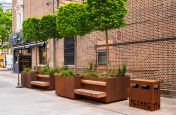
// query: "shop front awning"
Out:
[24,46]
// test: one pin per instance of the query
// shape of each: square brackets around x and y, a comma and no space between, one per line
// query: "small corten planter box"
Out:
[116,88]
[65,86]
[27,77]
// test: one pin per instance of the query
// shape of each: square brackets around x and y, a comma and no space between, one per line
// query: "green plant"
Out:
[47,27]
[5,26]
[65,73]
[90,71]
[26,69]
[109,72]
[47,69]
[122,69]
[72,19]
[106,15]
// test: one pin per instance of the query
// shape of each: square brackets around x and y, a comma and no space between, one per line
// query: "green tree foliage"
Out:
[47,27]
[107,14]
[31,29]
[31,32]
[72,19]
[5,25]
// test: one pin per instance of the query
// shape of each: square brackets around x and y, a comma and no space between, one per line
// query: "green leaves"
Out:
[5,25]
[107,14]
[47,27]
[72,19]
[31,29]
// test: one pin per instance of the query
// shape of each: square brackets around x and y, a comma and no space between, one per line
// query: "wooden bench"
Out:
[43,76]
[91,82]
[91,93]
[40,83]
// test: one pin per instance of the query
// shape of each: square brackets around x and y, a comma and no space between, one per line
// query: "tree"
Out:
[72,20]
[47,27]
[5,25]
[31,31]
[107,14]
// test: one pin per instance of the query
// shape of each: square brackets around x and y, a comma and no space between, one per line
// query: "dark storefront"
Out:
[22,52]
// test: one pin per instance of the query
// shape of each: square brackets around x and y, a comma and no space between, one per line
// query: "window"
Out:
[42,54]
[102,58]
[69,51]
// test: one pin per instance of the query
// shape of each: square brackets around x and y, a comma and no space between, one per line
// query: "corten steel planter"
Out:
[26,78]
[116,88]
[65,86]
[144,94]
[46,78]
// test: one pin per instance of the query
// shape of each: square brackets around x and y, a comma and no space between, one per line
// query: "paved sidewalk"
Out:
[23,101]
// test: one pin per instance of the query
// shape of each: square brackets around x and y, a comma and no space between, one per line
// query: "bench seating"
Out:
[40,83]
[91,82]
[90,93]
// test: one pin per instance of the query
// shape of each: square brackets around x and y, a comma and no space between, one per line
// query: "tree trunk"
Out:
[75,55]
[36,55]
[107,48]
[54,52]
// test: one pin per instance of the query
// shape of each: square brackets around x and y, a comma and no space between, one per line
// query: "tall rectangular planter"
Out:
[116,88]
[65,86]
[26,78]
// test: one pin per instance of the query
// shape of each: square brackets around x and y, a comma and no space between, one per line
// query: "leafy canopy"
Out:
[107,14]
[5,25]
[31,29]
[47,27]
[72,19]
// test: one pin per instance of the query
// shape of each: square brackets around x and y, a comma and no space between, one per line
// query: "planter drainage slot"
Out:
[134,85]
[156,86]
[145,86]
[90,93]
[91,82]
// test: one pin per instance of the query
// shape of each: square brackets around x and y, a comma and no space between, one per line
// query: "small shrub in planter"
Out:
[66,82]
[27,76]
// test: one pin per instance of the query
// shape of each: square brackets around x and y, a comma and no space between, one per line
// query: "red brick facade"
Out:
[147,43]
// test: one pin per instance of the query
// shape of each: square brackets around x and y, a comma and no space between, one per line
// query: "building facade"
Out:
[147,43]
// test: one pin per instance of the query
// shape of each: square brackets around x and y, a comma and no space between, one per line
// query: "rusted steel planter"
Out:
[27,77]
[65,86]
[116,88]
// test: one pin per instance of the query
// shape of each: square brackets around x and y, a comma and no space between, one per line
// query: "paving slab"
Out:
[24,101]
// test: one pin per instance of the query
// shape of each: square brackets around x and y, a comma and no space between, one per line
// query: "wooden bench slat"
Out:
[90,93]
[42,76]
[40,83]
[92,82]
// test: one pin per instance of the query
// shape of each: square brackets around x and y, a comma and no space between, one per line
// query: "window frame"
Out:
[101,51]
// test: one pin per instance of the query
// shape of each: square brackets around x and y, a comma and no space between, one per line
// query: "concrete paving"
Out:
[23,101]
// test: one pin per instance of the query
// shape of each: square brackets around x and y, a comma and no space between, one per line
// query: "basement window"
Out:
[102,57]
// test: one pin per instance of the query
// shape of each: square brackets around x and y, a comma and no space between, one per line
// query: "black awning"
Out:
[28,45]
